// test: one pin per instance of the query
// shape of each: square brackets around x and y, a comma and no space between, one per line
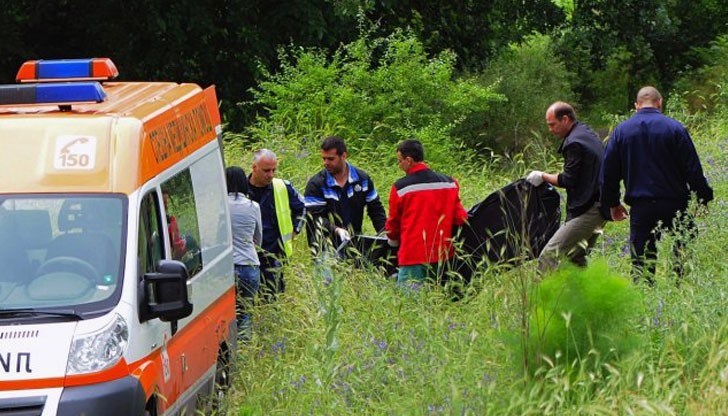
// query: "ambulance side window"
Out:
[151,242]
[182,224]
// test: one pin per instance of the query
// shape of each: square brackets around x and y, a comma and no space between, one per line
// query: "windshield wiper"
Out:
[67,313]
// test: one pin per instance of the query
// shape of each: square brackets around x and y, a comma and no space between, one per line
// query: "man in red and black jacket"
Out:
[423,208]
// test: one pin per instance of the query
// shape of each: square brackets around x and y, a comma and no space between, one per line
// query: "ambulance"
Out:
[117,292]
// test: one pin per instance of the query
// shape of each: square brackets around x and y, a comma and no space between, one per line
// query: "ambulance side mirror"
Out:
[164,293]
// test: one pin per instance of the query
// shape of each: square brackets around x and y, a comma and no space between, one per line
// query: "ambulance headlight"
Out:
[98,350]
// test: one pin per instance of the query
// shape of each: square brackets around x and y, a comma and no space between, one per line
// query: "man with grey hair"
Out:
[655,157]
[582,151]
[282,212]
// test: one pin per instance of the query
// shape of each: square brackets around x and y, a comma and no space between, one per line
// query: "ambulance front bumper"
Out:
[124,396]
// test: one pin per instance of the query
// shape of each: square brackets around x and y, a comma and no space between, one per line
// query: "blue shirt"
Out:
[655,157]
[338,206]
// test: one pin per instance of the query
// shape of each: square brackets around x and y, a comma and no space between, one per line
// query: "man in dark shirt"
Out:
[582,151]
[278,230]
[337,195]
[655,157]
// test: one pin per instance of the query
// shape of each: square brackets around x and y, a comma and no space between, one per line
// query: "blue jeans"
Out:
[247,282]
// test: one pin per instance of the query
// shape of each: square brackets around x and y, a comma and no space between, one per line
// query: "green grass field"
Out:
[359,345]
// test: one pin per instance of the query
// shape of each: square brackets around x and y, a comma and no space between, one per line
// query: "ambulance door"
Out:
[195,345]
[153,335]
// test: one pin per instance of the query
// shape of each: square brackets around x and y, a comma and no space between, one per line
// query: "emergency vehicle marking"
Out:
[18,334]
[180,132]
[6,361]
[165,364]
[75,152]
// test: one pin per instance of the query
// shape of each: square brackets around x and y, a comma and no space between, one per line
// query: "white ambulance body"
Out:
[116,277]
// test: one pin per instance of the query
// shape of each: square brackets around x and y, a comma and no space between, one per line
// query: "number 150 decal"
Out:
[75,152]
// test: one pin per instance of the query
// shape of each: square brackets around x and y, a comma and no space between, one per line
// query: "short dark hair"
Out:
[412,148]
[334,142]
[237,182]
[562,109]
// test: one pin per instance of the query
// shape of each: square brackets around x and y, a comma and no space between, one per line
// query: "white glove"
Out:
[535,178]
[393,243]
[343,234]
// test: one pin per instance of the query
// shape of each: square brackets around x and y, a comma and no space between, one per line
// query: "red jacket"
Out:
[423,207]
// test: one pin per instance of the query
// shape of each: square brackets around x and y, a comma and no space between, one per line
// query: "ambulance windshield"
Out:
[61,251]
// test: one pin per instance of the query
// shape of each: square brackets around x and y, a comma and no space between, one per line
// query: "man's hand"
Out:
[618,213]
[342,234]
[393,243]
[535,178]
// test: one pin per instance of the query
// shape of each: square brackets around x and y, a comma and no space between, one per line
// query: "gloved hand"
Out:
[393,243]
[342,234]
[535,178]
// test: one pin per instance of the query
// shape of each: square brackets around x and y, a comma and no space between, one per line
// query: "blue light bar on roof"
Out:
[52,93]
[67,69]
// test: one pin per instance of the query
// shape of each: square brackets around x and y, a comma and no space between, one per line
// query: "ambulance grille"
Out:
[19,334]
[22,406]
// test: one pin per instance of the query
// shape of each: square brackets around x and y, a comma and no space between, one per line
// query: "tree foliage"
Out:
[221,42]
[531,77]
[615,47]
[233,43]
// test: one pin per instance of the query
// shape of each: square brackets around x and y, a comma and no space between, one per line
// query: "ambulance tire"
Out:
[151,408]
[223,376]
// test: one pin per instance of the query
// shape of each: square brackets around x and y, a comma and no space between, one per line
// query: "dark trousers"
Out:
[271,276]
[649,218]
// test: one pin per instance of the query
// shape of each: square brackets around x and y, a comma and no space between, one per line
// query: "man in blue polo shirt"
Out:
[337,195]
[655,157]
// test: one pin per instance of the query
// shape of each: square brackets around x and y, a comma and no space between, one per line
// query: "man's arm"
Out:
[610,174]
[573,160]
[298,208]
[375,210]
[392,225]
[258,232]
[460,216]
[693,169]
[318,225]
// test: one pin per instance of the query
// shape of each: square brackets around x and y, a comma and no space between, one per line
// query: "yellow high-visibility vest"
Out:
[283,215]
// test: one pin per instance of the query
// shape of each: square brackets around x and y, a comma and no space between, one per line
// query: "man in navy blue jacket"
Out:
[655,157]
[336,197]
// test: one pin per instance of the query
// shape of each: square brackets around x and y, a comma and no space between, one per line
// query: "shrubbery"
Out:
[704,89]
[531,77]
[377,89]
[581,315]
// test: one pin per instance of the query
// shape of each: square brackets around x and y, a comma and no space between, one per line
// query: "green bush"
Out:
[583,314]
[703,89]
[375,89]
[531,77]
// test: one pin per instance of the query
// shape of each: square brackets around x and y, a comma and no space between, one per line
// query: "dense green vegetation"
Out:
[359,345]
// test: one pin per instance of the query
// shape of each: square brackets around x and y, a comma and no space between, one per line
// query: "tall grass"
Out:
[356,344]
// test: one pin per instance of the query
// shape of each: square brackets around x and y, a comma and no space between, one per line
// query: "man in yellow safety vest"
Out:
[282,211]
